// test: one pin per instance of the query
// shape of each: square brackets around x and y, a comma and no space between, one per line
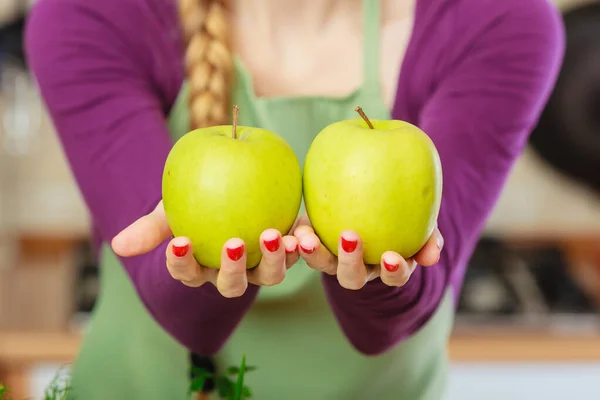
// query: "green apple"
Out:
[380,178]
[226,182]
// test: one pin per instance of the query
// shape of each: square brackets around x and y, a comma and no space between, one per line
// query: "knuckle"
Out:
[192,283]
[231,287]
[302,230]
[350,284]
[232,292]
[176,276]
[326,268]
[175,273]
[403,280]
[329,270]
[327,265]
[273,278]
[313,265]
[399,280]
[186,274]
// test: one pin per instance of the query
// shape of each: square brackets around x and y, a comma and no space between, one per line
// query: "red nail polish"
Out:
[391,267]
[307,251]
[272,245]
[291,251]
[349,245]
[235,254]
[180,251]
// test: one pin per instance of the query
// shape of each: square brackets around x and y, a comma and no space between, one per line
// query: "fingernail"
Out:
[292,250]
[391,267]
[180,251]
[349,245]
[307,251]
[235,254]
[439,242]
[272,245]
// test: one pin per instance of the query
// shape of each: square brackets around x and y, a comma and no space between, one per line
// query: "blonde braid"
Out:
[208,60]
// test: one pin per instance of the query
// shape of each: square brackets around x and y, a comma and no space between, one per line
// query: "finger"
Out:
[291,250]
[183,266]
[303,229]
[143,235]
[271,269]
[395,270]
[302,220]
[315,254]
[429,255]
[351,271]
[232,280]
[374,271]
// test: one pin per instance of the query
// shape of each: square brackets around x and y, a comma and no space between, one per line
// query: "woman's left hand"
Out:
[349,267]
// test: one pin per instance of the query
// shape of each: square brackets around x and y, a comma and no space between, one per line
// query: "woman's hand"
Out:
[145,234]
[349,268]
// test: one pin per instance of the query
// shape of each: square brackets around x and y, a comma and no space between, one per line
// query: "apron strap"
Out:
[371,43]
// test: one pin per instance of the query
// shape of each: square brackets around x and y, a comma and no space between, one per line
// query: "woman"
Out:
[123,79]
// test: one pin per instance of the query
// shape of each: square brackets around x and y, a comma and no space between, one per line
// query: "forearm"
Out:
[479,116]
[389,314]
[201,319]
[109,113]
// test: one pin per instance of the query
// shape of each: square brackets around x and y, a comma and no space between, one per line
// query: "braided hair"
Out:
[208,60]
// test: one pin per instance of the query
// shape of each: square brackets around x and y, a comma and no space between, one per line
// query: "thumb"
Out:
[143,235]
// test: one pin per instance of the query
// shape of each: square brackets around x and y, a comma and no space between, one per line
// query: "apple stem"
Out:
[235,120]
[360,112]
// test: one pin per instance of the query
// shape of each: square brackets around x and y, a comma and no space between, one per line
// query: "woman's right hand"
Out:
[148,232]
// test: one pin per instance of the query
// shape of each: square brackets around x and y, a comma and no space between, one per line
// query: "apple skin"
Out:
[384,183]
[216,188]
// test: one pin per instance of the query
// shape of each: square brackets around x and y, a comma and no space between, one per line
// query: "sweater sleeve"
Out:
[479,116]
[98,65]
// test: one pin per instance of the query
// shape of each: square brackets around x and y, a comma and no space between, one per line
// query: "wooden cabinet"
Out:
[37,293]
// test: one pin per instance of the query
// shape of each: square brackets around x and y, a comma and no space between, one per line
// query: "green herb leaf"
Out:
[199,377]
[240,381]
[236,370]
[3,390]
[246,392]
[196,371]
[59,387]
[225,386]
[197,384]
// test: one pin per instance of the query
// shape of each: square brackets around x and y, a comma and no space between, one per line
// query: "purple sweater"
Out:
[475,77]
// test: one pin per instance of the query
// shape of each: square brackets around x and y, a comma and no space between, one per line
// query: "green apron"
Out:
[290,333]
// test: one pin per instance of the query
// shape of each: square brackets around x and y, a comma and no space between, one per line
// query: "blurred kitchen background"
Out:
[528,323]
